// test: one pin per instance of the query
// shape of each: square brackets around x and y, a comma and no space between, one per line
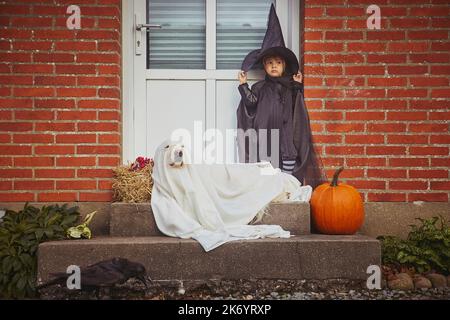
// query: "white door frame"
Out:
[135,74]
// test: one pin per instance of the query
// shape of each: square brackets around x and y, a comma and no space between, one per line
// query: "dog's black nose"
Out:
[180,153]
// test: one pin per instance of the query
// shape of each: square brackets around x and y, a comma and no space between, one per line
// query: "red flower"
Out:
[140,163]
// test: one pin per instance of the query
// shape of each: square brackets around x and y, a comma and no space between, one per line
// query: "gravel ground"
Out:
[338,289]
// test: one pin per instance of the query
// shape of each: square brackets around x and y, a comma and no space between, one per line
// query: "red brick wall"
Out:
[379,99]
[60,110]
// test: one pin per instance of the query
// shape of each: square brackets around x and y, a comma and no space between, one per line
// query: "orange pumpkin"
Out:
[337,208]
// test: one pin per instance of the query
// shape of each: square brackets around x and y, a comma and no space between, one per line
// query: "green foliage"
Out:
[426,248]
[20,234]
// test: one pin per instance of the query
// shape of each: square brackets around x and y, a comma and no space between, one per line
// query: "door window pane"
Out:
[241,25]
[180,43]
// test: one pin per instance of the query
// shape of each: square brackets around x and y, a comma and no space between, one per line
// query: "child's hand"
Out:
[242,76]
[298,77]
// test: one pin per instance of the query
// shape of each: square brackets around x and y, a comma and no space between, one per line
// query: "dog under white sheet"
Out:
[214,203]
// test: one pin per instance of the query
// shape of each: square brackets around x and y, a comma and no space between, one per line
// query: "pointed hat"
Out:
[273,44]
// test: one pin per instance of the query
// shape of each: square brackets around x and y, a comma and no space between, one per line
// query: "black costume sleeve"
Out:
[249,98]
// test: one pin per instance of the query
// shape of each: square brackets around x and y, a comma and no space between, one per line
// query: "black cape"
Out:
[278,103]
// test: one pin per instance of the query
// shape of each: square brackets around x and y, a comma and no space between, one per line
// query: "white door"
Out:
[183,74]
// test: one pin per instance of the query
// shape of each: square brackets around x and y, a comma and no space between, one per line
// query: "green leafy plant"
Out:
[426,248]
[20,234]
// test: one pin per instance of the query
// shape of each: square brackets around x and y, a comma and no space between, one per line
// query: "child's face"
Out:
[274,66]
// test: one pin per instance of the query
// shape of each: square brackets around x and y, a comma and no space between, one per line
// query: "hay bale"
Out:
[132,185]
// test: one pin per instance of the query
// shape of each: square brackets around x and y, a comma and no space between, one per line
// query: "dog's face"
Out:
[175,154]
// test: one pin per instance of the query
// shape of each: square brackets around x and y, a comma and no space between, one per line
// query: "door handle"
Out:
[141,26]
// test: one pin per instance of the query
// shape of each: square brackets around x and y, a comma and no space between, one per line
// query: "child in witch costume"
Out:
[277,102]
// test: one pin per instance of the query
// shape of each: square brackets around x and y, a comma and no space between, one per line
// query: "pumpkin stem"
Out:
[334,182]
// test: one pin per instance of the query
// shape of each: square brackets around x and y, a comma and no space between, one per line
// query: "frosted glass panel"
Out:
[181,42]
[241,25]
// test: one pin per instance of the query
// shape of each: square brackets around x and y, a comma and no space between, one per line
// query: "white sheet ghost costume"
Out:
[213,203]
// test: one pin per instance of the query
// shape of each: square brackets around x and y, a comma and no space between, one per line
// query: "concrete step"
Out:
[137,220]
[166,258]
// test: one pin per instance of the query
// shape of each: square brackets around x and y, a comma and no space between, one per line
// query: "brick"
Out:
[16,80]
[94,173]
[54,149]
[428,173]
[98,81]
[440,139]
[75,162]
[5,186]
[109,161]
[366,162]
[16,103]
[109,139]
[387,82]
[386,150]
[386,127]
[16,173]
[409,162]
[76,185]
[76,138]
[407,139]
[16,197]
[105,185]
[428,151]
[34,185]
[408,185]
[32,45]
[33,68]
[55,103]
[76,92]
[54,173]
[440,93]
[76,115]
[98,58]
[75,46]
[34,161]
[53,57]
[108,93]
[345,127]
[408,116]
[99,104]
[364,139]
[440,185]
[34,92]
[344,150]
[53,126]
[57,197]
[352,116]
[15,57]
[115,115]
[34,115]
[55,80]
[428,127]
[33,138]
[101,126]
[386,197]
[14,150]
[75,69]
[429,81]
[443,197]
[97,149]
[367,184]
[5,161]
[386,173]
[96,196]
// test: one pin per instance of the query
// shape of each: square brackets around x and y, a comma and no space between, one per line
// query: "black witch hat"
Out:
[273,45]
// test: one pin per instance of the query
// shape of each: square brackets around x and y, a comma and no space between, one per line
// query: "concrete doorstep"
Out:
[133,234]
[137,220]
[166,258]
